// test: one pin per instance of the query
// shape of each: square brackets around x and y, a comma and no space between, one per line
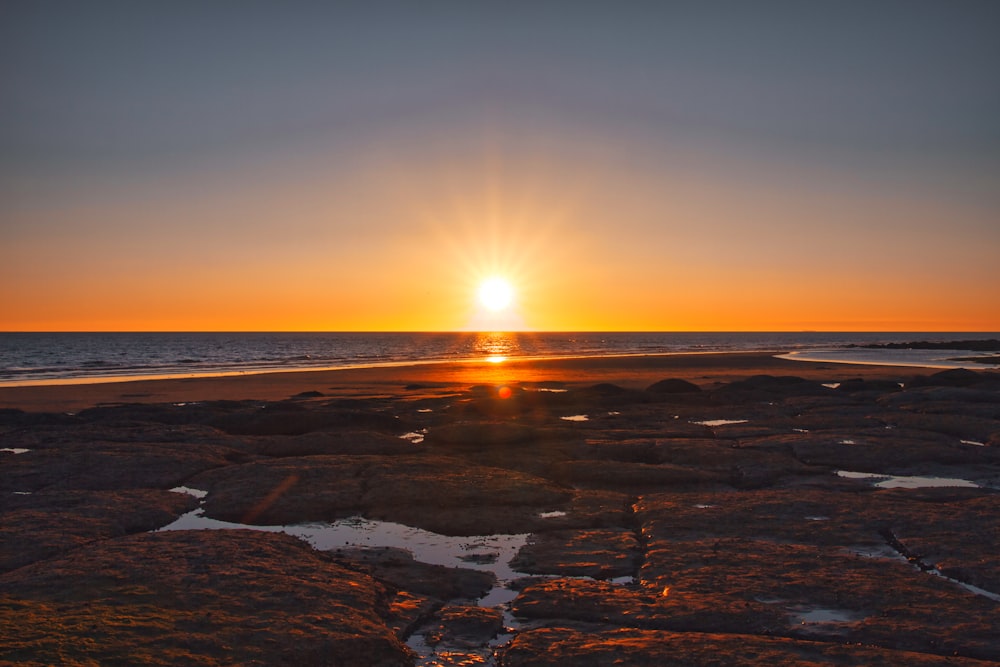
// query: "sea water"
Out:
[32,358]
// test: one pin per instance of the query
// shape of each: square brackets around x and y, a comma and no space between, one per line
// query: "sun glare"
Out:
[496,294]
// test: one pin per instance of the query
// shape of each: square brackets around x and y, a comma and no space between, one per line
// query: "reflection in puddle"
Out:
[491,553]
[197,493]
[575,418]
[875,551]
[416,437]
[803,614]
[969,587]
[903,482]
[721,422]
[973,442]
[819,615]
[14,450]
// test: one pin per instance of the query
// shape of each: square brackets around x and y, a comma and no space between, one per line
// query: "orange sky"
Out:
[771,184]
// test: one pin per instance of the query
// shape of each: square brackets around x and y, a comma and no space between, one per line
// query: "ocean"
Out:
[42,358]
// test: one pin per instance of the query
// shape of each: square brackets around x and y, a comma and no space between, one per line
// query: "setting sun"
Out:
[496,294]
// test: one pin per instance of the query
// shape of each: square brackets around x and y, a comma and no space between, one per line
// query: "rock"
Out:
[953,377]
[875,386]
[673,386]
[485,434]
[296,418]
[597,553]
[211,597]
[555,647]
[111,466]
[397,568]
[43,525]
[460,626]
[637,477]
[397,488]
[309,394]
[762,387]
[346,441]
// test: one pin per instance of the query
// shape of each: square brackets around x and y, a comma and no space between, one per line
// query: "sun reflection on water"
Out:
[497,346]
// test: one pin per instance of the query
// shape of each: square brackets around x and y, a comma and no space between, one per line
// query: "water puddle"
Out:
[491,553]
[821,616]
[894,543]
[904,482]
[416,437]
[883,551]
[969,587]
[197,493]
[576,418]
[721,422]
[804,614]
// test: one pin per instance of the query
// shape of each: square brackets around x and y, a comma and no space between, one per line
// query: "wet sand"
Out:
[634,372]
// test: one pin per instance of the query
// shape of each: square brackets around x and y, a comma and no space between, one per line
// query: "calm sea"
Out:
[45,357]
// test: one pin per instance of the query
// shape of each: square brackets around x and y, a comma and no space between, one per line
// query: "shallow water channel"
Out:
[490,553]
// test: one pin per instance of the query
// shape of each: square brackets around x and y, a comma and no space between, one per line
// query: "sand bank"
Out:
[632,372]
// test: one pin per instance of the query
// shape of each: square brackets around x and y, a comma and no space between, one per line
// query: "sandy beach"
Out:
[646,510]
[634,372]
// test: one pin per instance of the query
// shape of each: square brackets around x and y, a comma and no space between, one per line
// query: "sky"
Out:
[364,166]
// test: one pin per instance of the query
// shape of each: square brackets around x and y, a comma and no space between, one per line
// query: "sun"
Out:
[496,294]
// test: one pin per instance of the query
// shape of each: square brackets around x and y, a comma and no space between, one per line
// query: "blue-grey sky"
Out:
[660,136]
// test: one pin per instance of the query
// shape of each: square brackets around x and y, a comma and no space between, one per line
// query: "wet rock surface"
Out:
[770,519]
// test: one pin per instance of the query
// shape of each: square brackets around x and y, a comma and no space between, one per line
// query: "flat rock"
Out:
[47,524]
[345,441]
[463,626]
[409,489]
[110,465]
[597,553]
[555,647]
[205,597]
[397,568]
[634,477]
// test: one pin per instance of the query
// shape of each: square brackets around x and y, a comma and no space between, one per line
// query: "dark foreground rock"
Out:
[555,647]
[195,597]
[43,525]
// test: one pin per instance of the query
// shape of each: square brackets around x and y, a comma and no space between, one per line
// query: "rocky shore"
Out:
[712,515]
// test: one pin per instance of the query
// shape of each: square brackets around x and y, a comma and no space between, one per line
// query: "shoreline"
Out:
[630,371]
